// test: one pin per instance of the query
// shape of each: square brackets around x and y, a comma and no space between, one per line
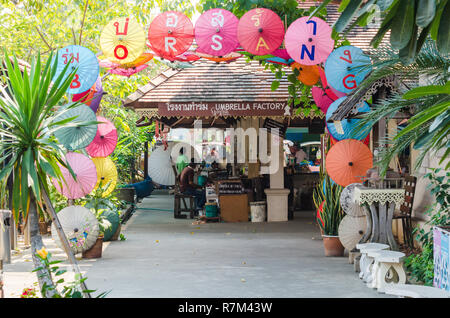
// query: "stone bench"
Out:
[365,261]
[387,269]
[416,291]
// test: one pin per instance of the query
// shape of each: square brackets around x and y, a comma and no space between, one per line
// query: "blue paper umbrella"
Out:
[86,62]
[279,60]
[77,136]
[346,67]
[348,125]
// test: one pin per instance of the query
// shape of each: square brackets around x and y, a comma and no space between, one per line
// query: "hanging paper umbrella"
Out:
[322,100]
[77,137]
[160,167]
[282,53]
[93,97]
[309,74]
[260,31]
[349,126]
[347,201]
[226,58]
[122,40]
[141,60]
[127,71]
[106,175]
[80,227]
[187,57]
[308,41]
[332,93]
[366,140]
[346,68]
[280,61]
[351,230]
[85,97]
[85,173]
[216,32]
[105,140]
[177,64]
[170,34]
[82,59]
[347,161]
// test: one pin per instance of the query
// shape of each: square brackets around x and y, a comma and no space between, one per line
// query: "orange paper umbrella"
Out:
[309,74]
[144,58]
[347,161]
[226,58]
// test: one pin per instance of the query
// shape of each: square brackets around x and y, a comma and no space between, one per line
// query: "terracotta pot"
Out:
[332,246]
[43,227]
[96,250]
[115,236]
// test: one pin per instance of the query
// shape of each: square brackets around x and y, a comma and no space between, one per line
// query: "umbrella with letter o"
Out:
[216,32]
[308,41]
[85,173]
[122,40]
[170,34]
[349,126]
[348,161]
[260,31]
[309,74]
[346,68]
[105,140]
[106,174]
[82,59]
[77,137]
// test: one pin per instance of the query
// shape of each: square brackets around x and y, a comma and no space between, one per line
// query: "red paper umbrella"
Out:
[322,100]
[170,34]
[260,31]
[332,93]
[105,140]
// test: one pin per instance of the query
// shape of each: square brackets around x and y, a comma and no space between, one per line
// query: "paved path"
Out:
[167,257]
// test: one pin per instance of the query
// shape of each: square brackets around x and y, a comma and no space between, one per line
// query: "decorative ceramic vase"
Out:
[332,246]
[96,250]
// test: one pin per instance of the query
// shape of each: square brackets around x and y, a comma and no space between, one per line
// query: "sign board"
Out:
[213,109]
[271,124]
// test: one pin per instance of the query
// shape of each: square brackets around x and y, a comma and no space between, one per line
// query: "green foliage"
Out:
[421,266]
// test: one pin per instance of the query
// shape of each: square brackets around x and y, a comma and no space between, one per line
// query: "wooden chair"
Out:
[406,210]
[180,197]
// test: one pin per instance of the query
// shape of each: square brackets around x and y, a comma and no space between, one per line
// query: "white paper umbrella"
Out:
[80,227]
[351,230]
[347,203]
[160,167]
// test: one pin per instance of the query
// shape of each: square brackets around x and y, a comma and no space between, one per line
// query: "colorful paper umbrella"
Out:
[127,71]
[347,161]
[122,40]
[141,60]
[226,58]
[309,74]
[308,41]
[346,68]
[85,173]
[349,126]
[105,140]
[86,63]
[322,100]
[77,137]
[85,97]
[260,31]
[92,97]
[170,34]
[216,32]
[280,61]
[282,53]
[334,141]
[106,175]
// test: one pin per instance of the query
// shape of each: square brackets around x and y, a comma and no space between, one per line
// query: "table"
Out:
[379,205]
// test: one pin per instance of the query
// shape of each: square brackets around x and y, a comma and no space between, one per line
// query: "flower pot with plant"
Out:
[326,199]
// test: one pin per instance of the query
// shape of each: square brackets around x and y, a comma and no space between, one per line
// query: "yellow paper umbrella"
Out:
[122,40]
[106,174]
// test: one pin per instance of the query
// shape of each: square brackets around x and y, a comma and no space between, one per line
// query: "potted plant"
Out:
[326,199]
[96,250]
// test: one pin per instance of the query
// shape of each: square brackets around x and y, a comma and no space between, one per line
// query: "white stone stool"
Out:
[387,269]
[416,291]
[366,261]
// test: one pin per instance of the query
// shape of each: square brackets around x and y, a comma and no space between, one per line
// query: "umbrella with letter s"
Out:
[216,32]
[308,41]
[346,68]
[260,31]
[105,140]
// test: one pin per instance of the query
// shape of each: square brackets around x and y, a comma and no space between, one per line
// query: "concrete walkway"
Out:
[167,257]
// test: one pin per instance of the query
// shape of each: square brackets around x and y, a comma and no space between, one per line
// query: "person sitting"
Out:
[188,187]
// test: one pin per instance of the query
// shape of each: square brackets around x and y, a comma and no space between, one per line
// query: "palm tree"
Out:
[29,108]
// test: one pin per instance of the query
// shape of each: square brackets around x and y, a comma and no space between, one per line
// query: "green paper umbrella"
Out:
[77,137]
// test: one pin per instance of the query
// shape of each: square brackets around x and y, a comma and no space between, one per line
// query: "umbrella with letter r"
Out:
[346,68]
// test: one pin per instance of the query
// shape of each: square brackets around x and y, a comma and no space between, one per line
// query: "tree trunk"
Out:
[44,276]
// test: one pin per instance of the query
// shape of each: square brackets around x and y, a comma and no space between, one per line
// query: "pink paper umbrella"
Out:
[105,141]
[85,173]
[330,91]
[260,31]
[322,100]
[308,41]
[281,53]
[216,32]
[128,71]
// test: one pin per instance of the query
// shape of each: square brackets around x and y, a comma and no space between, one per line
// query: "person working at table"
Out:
[187,185]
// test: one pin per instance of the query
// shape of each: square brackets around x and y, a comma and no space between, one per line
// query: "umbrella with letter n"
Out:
[85,173]
[106,175]
[80,131]
[348,161]
[260,31]
[80,227]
